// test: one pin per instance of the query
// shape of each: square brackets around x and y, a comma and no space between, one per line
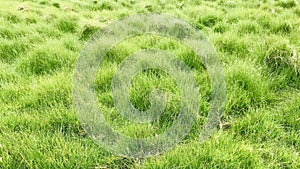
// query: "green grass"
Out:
[257,41]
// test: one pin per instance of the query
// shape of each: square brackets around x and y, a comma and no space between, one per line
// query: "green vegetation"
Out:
[257,41]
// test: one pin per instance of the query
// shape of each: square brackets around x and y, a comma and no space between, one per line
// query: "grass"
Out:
[258,43]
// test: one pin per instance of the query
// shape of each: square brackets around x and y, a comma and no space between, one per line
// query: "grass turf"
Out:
[257,41]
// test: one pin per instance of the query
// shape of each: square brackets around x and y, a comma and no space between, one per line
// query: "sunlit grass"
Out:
[258,43]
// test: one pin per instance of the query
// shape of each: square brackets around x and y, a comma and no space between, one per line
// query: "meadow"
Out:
[257,41]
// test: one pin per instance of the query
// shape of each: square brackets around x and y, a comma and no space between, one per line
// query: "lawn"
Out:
[258,43]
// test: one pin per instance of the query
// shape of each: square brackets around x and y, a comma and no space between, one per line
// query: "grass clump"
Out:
[247,87]
[231,45]
[283,56]
[282,64]
[7,75]
[249,27]
[10,50]
[11,33]
[46,60]
[55,4]
[209,20]
[13,18]
[42,62]
[196,156]
[47,31]
[67,25]
[220,27]
[57,89]
[283,28]
[254,124]
[287,3]
[87,31]
[288,119]
[43,2]
[297,12]
[99,6]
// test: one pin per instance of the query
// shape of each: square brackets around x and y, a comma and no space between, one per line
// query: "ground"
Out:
[258,43]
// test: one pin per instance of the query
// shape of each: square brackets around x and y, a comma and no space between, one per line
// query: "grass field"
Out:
[257,41]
